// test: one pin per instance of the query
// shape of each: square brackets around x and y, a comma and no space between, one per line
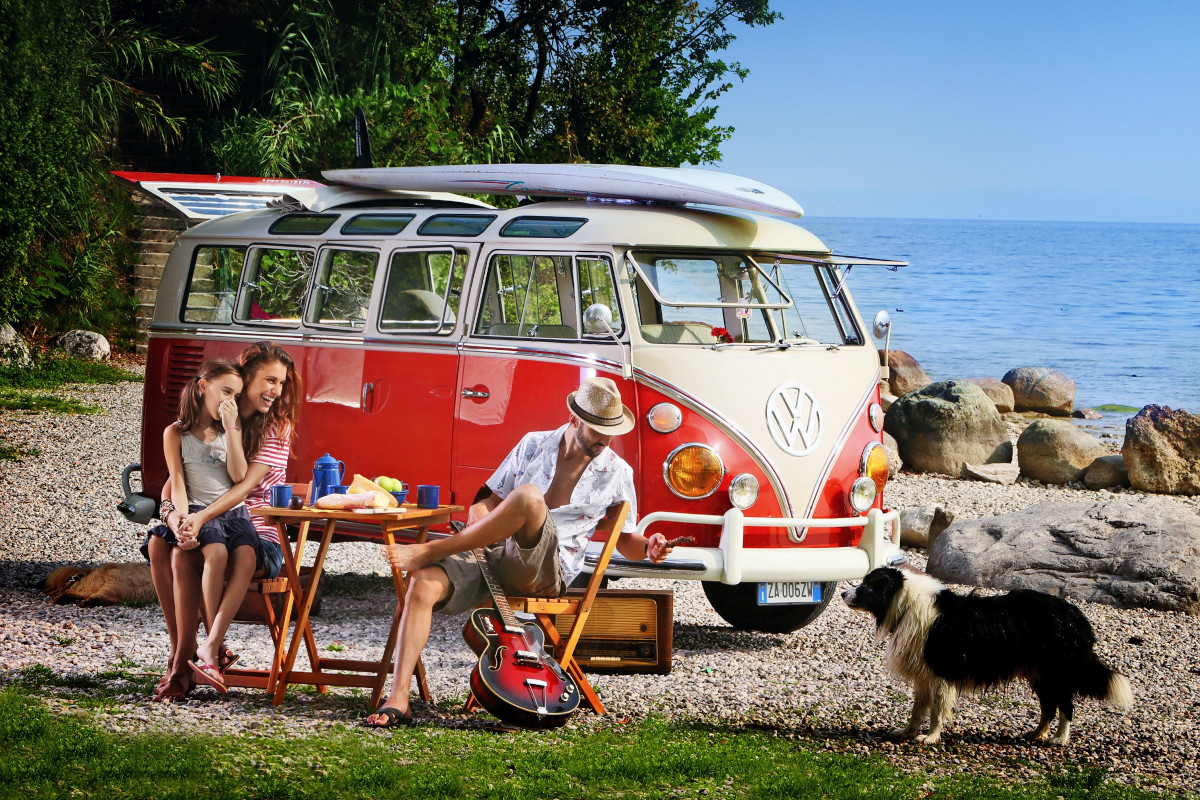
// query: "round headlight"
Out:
[862,495]
[743,491]
[875,414]
[665,418]
[693,471]
[875,465]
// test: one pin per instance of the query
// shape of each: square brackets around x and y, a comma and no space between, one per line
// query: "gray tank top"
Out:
[205,472]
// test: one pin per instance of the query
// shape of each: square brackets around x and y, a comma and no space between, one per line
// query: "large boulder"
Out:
[13,349]
[906,375]
[1041,389]
[1055,451]
[1106,472]
[1128,551]
[1162,451]
[83,344]
[945,425]
[895,463]
[999,392]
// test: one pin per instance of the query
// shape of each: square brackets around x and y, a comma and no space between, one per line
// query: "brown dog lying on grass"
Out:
[106,585]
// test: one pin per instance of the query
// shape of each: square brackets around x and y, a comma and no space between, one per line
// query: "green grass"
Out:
[32,403]
[47,756]
[1112,408]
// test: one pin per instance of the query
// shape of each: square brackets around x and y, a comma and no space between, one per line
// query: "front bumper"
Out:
[731,562]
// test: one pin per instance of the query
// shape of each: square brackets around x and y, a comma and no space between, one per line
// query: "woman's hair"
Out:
[284,410]
[190,401]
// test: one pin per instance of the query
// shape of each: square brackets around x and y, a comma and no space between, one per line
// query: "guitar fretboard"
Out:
[498,597]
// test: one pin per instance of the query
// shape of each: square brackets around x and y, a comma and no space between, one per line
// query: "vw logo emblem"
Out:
[794,419]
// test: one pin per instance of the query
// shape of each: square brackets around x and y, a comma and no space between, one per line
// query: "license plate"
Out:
[789,592]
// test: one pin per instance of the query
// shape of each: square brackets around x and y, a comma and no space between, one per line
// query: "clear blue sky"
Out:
[962,109]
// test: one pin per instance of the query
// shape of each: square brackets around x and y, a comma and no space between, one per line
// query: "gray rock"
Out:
[1005,474]
[895,463]
[919,526]
[83,344]
[906,374]
[1106,472]
[997,391]
[886,399]
[13,349]
[1130,551]
[1086,413]
[945,425]
[1004,454]
[1055,451]
[1041,389]
[1162,451]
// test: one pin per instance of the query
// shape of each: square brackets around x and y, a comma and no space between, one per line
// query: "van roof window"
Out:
[376,224]
[304,224]
[455,225]
[542,227]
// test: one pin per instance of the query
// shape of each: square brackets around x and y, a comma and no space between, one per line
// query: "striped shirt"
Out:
[274,454]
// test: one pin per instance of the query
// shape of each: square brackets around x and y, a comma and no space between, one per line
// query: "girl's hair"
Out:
[284,410]
[190,401]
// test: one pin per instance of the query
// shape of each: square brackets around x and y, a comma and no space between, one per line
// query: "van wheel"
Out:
[738,605]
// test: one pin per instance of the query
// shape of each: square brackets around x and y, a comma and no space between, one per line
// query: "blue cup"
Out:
[339,488]
[427,496]
[281,495]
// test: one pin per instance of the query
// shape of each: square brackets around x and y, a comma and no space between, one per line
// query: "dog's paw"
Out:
[902,733]
[1036,735]
[929,738]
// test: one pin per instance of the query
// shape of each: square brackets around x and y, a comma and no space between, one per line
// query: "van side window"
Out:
[343,288]
[596,286]
[216,274]
[422,291]
[275,283]
[529,295]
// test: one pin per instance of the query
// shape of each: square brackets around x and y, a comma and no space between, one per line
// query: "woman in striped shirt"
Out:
[267,409]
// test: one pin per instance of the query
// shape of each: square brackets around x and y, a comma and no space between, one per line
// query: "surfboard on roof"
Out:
[597,181]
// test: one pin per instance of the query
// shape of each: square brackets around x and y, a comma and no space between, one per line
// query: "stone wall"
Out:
[158,226]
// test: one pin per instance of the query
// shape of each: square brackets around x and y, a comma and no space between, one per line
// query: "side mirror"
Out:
[598,318]
[881,325]
[882,328]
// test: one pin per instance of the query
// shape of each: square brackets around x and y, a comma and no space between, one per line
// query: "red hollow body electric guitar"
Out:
[515,679]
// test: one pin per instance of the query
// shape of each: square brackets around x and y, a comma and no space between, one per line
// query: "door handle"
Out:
[475,395]
[368,391]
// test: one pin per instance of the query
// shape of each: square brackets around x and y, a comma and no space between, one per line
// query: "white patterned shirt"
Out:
[607,479]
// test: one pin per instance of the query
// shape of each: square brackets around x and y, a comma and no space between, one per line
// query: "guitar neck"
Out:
[499,599]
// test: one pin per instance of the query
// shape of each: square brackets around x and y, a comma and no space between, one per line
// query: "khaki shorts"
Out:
[532,572]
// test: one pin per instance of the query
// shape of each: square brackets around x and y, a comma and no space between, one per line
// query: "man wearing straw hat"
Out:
[542,505]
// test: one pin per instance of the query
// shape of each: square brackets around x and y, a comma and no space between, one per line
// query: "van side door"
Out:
[527,350]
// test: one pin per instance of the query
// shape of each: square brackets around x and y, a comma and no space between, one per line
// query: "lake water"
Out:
[1116,306]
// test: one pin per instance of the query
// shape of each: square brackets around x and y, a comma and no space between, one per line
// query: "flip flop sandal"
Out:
[209,675]
[228,659]
[391,718]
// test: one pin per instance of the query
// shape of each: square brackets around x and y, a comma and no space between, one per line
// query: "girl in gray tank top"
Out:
[204,455]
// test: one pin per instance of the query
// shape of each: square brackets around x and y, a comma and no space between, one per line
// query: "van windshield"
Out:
[714,298]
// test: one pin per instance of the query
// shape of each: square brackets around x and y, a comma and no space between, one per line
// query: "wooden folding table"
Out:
[381,527]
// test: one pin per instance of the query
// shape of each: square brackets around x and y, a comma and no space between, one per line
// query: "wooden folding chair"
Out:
[578,605]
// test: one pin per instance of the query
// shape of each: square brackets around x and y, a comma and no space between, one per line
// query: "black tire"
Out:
[738,605]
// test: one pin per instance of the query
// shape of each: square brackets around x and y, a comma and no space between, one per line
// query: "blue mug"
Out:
[427,496]
[281,495]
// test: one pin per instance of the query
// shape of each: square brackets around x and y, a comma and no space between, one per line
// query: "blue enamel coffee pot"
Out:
[327,473]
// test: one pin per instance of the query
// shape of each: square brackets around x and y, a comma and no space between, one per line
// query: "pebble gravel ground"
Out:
[824,685]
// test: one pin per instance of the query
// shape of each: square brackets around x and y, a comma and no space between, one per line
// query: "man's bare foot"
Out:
[406,557]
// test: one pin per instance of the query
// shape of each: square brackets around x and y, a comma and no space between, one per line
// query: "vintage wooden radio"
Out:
[629,631]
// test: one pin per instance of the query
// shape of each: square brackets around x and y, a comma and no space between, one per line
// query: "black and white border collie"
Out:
[944,643]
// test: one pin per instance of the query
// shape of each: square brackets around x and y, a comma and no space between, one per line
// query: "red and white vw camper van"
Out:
[434,330]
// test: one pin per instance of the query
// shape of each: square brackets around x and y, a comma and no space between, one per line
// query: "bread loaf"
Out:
[356,500]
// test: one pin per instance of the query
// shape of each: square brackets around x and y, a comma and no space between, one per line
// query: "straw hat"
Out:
[598,404]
